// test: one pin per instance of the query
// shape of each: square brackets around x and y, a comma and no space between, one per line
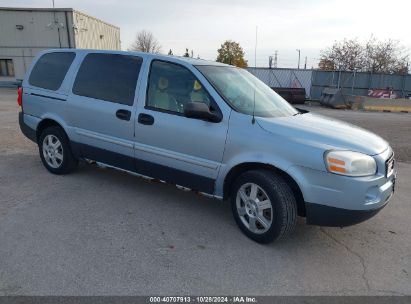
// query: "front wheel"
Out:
[55,151]
[263,205]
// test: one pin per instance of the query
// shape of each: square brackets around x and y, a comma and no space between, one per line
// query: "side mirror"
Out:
[200,110]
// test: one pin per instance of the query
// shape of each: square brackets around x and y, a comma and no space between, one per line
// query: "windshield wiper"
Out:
[300,111]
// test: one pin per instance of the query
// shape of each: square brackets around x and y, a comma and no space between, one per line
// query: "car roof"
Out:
[189,60]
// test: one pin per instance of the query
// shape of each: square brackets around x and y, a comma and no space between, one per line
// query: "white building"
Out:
[26,31]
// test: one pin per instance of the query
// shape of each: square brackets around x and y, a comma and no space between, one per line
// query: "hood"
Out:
[322,131]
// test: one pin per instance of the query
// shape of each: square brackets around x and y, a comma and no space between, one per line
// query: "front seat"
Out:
[162,99]
[197,94]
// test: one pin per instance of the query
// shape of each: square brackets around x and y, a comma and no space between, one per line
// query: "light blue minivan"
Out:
[209,127]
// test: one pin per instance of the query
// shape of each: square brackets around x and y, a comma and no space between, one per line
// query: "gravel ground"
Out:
[104,232]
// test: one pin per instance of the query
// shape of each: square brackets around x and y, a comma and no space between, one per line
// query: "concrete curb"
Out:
[388,109]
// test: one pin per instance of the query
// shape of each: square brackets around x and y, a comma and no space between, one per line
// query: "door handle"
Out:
[123,114]
[145,119]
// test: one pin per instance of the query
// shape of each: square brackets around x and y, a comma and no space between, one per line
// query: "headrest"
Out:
[197,85]
[162,83]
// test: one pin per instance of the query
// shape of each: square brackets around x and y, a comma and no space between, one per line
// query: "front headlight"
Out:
[349,163]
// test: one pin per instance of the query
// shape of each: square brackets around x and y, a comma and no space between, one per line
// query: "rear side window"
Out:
[109,77]
[50,70]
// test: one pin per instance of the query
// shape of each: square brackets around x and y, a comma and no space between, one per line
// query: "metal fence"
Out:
[353,83]
[285,78]
[350,83]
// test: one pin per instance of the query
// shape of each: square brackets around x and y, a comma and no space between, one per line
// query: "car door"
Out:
[100,108]
[170,146]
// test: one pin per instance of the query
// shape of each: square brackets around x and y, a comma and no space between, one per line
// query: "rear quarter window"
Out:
[50,70]
[109,77]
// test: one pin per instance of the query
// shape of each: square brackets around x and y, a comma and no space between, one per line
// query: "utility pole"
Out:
[270,60]
[56,23]
[305,63]
[299,56]
[255,48]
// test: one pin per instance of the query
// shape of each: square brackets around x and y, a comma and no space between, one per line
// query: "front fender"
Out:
[256,158]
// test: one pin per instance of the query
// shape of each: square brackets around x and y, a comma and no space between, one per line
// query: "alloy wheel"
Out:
[52,151]
[254,208]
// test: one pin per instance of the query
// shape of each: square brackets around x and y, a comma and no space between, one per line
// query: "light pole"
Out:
[299,56]
[272,60]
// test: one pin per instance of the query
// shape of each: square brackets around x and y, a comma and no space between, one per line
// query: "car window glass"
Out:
[246,93]
[172,86]
[50,70]
[109,77]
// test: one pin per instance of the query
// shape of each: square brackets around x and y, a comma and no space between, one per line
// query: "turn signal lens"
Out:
[350,163]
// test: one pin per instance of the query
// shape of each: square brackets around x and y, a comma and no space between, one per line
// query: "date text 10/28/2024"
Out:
[202,299]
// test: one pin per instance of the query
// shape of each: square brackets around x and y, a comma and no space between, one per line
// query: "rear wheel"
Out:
[55,151]
[263,206]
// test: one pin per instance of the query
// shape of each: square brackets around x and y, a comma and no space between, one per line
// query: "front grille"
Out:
[389,166]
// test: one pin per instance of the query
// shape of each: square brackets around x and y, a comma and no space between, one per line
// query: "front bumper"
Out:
[322,215]
[336,200]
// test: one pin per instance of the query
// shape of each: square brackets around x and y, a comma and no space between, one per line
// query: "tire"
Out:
[273,211]
[55,143]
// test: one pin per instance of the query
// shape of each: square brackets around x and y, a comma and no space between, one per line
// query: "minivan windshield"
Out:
[240,89]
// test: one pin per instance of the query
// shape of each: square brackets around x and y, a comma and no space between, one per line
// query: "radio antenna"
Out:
[255,71]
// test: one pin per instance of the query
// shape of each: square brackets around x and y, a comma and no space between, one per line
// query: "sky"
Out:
[283,26]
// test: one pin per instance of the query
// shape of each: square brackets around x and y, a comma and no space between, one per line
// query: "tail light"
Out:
[20,96]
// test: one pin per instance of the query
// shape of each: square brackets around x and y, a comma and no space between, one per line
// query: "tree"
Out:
[386,57]
[373,56]
[146,42]
[170,52]
[347,55]
[232,53]
[326,64]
